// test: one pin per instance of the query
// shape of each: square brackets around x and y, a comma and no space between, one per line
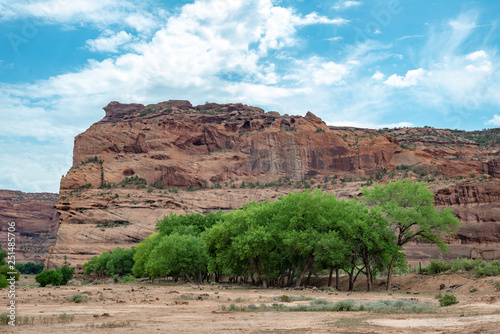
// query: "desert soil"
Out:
[159,308]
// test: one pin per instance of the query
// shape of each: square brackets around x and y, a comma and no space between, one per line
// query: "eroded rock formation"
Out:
[141,162]
[36,223]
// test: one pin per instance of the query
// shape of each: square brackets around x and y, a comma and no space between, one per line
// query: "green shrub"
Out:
[3,281]
[29,267]
[67,273]
[58,276]
[460,265]
[436,267]
[49,277]
[320,301]
[345,305]
[448,300]
[78,298]
[4,269]
[128,279]
[487,269]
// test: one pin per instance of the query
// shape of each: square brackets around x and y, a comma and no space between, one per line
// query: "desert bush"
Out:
[345,305]
[436,267]
[49,277]
[320,301]
[58,276]
[3,281]
[4,269]
[288,299]
[128,279]
[448,300]
[487,269]
[78,298]
[463,264]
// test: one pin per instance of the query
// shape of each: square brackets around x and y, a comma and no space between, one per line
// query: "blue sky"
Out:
[379,63]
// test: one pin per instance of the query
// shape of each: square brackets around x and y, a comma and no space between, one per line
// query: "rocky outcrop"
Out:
[36,223]
[492,167]
[477,205]
[142,162]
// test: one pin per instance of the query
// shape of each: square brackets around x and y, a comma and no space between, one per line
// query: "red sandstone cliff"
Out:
[141,162]
[36,223]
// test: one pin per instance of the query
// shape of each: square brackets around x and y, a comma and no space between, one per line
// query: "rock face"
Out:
[141,162]
[36,223]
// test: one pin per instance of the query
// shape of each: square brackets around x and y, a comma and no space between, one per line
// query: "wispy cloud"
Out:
[103,13]
[342,5]
[410,36]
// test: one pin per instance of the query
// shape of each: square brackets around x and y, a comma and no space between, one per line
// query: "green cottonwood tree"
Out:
[141,256]
[178,255]
[408,208]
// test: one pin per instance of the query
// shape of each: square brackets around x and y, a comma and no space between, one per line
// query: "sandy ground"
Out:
[152,308]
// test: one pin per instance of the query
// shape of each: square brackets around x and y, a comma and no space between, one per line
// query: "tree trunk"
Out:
[309,276]
[330,277]
[368,273]
[389,274]
[351,281]
[189,278]
[308,263]
[337,279]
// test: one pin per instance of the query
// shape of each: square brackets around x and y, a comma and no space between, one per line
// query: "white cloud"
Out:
[109,41]
[346,4]
[478,55]
[370,125]
[316,72]
[335,39]
[409,36]
[495,121]
[378,76]
[190,57]
[314,18]
[410,79]
[101,13]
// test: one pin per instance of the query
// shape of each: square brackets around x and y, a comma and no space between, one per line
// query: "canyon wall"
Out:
[140,163]
[36,223]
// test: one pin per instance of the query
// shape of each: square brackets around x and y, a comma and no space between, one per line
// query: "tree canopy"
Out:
[277,243]
[408,207]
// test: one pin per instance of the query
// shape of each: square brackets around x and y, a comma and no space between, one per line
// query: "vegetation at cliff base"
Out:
[56,277]
[117,263]
[29,268]
[286,241]
[5,271]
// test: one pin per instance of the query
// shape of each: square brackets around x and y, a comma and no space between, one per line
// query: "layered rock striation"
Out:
[36,223]
[141,162]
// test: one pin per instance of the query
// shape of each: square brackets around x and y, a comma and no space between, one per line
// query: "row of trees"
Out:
[306,232]
[117,263]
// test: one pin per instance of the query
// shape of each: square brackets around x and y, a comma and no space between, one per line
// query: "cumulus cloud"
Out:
[495,121]
[478,55]
[192,55]
[109,41]
[410,79]
[379,76]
